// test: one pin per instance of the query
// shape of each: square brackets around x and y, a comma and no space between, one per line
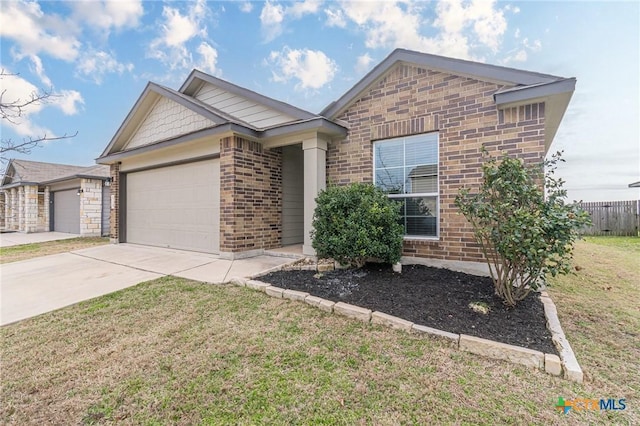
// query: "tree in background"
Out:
[524,235]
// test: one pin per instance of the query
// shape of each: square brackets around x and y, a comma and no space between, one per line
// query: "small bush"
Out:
[355,222]
[524,235]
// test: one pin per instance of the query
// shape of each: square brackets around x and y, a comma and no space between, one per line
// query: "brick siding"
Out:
[250,195]
[412,100]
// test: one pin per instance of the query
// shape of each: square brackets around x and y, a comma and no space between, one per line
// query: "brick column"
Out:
[90,207]
[250,196]
[21,208]
[13,210]
[7,210]
[114,204]
[30,206]
[315,179]
[47,209]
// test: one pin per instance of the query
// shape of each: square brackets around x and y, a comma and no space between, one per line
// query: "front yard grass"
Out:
[29,251]
[174,351]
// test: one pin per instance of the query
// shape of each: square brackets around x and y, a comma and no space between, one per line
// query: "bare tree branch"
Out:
[12,110]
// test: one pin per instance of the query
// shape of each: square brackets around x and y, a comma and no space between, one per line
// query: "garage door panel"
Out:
[176,207]
[66,211]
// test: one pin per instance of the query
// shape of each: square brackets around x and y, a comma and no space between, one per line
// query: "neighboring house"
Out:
[218,168]
[40,197]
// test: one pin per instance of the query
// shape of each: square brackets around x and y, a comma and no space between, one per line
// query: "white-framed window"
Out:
[406,168]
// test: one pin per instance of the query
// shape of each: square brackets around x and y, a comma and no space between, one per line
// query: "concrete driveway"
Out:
[35,286]
[8,239]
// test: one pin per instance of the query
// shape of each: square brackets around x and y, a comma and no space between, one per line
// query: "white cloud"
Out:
[300,8]
[274,15]
[311,68]
[107,14]
[363,62]
[69,101]
[521,53]
[95,64]
[38,69]
[335,18]
[209,58]
[177,29]
[246,7]
[271,19]
[459,26]
[35,32]
[517,33]
[488,22]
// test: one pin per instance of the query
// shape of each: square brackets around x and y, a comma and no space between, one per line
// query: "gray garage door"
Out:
[176,207]
[66,211]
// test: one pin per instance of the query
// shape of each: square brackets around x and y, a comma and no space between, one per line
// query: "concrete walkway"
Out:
[8,239]
[35,286]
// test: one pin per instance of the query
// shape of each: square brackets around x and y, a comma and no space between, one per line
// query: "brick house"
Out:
[39,197]
[218,168]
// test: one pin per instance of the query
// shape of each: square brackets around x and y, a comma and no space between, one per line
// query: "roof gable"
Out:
[166,119]
[144,106]
[197,80]
[478,71]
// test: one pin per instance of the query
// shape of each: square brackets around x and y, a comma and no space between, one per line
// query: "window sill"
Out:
[417,238]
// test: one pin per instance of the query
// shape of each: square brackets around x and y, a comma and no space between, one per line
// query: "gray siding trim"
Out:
[520,94]
[194,80]
[457,66]
[292,195]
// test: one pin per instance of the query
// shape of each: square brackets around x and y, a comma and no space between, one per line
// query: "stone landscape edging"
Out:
[550,363]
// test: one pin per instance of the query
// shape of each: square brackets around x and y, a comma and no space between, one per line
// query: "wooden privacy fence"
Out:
[613,218]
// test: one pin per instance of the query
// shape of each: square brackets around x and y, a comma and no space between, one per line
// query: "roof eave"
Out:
[541,91]
[320,125]
[556,97]
[441,63]
[17,184]
[72,177]
[211,131]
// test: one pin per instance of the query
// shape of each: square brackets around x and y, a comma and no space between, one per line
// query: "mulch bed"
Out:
[434,297]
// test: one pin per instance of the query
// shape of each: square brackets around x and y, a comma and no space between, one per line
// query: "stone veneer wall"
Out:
[114,204]
[91,207]
[250,196]
[412,100]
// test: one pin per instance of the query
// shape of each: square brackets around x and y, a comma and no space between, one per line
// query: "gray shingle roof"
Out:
[27,171]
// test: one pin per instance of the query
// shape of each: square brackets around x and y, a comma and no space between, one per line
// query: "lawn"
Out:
[173,351]
[29,251]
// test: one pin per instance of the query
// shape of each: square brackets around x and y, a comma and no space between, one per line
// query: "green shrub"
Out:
[523,235]
[355,222]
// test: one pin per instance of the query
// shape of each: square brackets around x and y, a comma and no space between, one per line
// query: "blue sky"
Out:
[97,56]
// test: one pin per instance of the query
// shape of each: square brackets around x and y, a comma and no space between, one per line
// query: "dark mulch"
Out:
[434,297]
